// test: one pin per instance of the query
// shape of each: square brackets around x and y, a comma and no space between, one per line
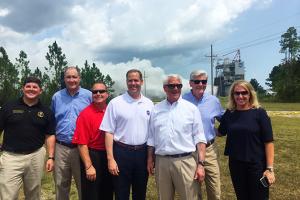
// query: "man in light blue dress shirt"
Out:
[210,109]
[66,105]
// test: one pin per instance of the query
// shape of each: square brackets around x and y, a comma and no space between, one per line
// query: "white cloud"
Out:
[4,12]
[121,34]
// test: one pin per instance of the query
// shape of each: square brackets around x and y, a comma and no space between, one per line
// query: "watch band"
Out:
[201,162]
[270,169]
[51,158]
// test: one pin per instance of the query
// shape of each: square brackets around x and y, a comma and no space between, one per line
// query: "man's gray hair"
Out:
[198,73]
[72,67]
[166,80]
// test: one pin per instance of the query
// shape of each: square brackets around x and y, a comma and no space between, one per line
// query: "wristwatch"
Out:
[51,158]
[201,162]
[270,169]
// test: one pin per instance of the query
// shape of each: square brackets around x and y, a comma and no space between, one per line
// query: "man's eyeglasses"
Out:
[172,86]
[204,82]
[100,91]
[243,93]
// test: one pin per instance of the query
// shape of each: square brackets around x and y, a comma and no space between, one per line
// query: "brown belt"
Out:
[131,147]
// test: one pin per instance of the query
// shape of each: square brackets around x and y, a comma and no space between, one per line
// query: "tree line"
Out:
[13,74]
[284,79]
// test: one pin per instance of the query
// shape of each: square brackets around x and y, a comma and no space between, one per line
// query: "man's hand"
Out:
[150,165]
[200,173]
[113,167]
[49,165]
[91,173]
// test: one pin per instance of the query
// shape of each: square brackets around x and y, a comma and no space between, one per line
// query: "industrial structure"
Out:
[227,72]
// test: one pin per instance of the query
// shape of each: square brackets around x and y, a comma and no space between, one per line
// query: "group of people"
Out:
[110,150]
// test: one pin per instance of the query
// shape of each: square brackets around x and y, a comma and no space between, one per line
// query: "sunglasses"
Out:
[243,93]
[100,91]
[172,86]
[204,82]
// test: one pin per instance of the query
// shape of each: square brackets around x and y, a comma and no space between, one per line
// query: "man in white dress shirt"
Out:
[174,132]
[126,125]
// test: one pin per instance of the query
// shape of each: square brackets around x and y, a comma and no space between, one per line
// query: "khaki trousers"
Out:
[212,173]
[16,169]
[67,164]
[176,174]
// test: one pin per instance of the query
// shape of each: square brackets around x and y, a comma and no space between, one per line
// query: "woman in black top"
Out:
[249,142]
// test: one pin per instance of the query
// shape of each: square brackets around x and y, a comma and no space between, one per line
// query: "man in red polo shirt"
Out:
[96,181]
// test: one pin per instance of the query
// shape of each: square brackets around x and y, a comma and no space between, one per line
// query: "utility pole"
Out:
[212,69]
[145,89]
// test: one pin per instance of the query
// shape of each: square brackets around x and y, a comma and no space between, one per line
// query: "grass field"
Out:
[287,164]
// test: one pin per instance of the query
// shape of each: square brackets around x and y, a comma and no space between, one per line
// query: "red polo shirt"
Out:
[87,128]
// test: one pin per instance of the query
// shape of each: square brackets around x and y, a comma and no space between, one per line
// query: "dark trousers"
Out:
[133,173]
[245,179]
[102,187]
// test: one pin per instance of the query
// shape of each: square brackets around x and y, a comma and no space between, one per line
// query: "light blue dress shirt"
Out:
[210,109]
[66,109]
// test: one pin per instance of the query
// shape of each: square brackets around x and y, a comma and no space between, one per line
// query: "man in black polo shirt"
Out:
[26,124]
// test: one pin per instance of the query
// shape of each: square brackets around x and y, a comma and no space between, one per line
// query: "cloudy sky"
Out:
[158,37]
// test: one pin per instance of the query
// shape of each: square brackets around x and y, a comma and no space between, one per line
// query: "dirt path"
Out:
[284,113]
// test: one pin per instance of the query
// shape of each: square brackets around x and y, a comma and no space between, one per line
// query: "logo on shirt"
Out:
[148,112]
[18,111]
[40,114]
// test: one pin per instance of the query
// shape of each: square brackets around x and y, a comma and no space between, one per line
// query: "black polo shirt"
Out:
[25,126]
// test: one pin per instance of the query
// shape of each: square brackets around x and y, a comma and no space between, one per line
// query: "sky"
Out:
[157,37]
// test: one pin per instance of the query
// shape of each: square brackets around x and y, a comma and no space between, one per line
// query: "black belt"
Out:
[210,142]
[21,152]
[97,150]
[70,145]
[131,147]
[179,155]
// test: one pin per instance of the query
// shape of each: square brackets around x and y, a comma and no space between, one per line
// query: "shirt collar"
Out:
[98,109]
[174,103]
[195,99]
[21,102]
[130,99]
[77,92]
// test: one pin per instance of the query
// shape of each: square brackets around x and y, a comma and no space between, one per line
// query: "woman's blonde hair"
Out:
[245,84]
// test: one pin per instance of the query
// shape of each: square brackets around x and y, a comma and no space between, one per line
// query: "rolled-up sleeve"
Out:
[198,131]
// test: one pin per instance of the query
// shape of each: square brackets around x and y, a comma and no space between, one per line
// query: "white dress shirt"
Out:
[175,128]
[128,119]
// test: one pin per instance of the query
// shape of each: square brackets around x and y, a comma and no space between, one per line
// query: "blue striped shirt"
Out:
[210,109]
[66,109]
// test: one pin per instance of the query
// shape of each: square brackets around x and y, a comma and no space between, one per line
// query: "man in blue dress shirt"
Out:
[210,109]
[66,105]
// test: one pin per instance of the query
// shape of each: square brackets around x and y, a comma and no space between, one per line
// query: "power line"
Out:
[254,42]
[265,26]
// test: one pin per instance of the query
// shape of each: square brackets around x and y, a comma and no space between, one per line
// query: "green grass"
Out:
[271,106]
[281,106]
[287,164]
